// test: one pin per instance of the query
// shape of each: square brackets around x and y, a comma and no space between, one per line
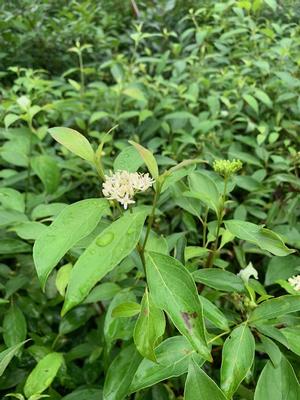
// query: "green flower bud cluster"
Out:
[227,168]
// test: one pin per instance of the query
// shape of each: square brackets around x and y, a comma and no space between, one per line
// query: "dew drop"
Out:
[104,240]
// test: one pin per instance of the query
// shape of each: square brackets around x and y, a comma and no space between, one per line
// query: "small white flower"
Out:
[247,272]
[123,185]
[295,282]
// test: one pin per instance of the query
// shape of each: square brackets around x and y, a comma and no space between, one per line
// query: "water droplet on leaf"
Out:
[105,239]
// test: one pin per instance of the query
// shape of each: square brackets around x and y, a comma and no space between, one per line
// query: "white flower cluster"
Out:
[295,282]
[123,185]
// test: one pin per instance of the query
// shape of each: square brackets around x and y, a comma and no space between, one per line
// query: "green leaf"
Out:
[251,101]
[272,332]
[62,278]
[13,246]
[181,115]
[96,116]
[272,4]
[11,217]
[173,290]
[12,199]
[263,97]
[281,268]
[277,383]
[29,230]
[7,355]
[263,238]
[103,254]
[199,386]
[237,358]
[127,309]
[43,374]
[195,251]
[148,158]
[74,320]
[9,119]
[135,93]
[157,243]
[292,336]
[173,356]
[120,374]
[86,394]
[104,291]
[202,187]
[72,224]
[219,279]
[118,328]
[47,170]
[271,349]
[129,160]
[149,327]
[73,141]
[276,307]
[47,210]
[213,314]
[14,326]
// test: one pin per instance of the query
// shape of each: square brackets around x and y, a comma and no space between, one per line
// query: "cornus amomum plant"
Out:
[167,307]
[166,251]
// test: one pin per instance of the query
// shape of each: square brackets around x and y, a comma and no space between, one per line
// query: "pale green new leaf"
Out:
[43,374]
[72,224]
[126,310]
[199,386]
[73,141]
[148,158]
[149,327]
[173,290]
[237,359]
[109,248]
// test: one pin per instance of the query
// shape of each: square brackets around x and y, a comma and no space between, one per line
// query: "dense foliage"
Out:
[183,283]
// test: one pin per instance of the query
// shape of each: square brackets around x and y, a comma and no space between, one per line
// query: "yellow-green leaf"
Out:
[73,141]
